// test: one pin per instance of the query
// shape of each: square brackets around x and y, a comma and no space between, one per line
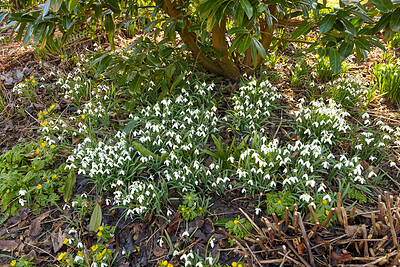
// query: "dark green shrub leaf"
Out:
[383,5]
[327,23]
[395,20]
[334,60]
[95,220]
[304,28]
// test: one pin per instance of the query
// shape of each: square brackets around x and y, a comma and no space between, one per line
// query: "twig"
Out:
[394,235]
[297,254]
[313,213]
[328,218]
[380,259]
[306,240]
[252,254]
[392,179]
[252,223]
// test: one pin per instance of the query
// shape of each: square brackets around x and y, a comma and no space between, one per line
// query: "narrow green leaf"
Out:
[95,220]
[350,27]
[380,24]
[69,186]
[72,4]
[327,23]
[334,60]
[259,47]
[304,28]
[46,8]
[247,8]
[238,30]
[395,20]
[236,43]
[28,34]
[56,4]
[145,152]
[383,5]
[244,45]
[362,43]
[362,16]
[110,29]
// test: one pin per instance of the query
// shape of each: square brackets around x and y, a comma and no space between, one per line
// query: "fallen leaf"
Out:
[174,223]
[351,230]
[57,240]
[341,257]
[9,245]
[158,251]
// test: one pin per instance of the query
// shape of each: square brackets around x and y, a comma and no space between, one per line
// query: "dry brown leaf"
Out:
[9,245]
[57,240]
[341,257]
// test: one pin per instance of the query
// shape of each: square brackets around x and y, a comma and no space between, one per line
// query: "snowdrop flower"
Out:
[169,213]
[160,242]
[212,242]
[22,193]
[185,234]
[258,210]
[22,202]
[79,245]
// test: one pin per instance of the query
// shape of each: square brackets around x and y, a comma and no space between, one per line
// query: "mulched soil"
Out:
[365,235]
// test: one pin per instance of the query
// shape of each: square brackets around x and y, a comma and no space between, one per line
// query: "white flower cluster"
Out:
[319,121]
[138,198]
[298,168]
[101,161]
[19,88]
[252,105]
[351,88]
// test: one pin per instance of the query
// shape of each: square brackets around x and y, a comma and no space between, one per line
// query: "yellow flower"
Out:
[47,152]
[44,123]
[183,209]
[54,176]
[279,202]
[32,77]
[42,144]
[99,256]
[234,264]
[65,241]
[33,81]
[165,263]
[39,186]
[26,263]
[240,265]
[46,112]
[61,256]
[101,228]
[327,212]
[68,260]
[190,198]
[13,263]
[80,254]
[48,181]
[83,116]
[324,202]
[170,265]
[95,247]
[52,106]
[99,234]
[37,151]
[52,146]
[235,222]
[200,208]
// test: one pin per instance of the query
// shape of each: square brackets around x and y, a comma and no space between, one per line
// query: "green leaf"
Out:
[383,5]
[56,4]
[259,47]
[247,8]
[362,16]
[238,30]
[28,34]
[95,220]
[69,185]
[145,152]
[72,4]
[349,26]
[304,28]
[362,43]
[395,20]
[334,60]
[46,8]
[110,29]
[327,23]
[244,45]
[345,49]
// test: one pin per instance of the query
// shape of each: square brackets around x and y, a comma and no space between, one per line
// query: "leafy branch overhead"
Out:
[226,37]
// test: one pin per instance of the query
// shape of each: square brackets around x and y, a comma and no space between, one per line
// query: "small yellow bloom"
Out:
[39,186]
[61,256]
[52,146]
[200,208]
[47,152]
[33,81]
[46,112]
[65,241]
[37,151]
[83,116]
[165,263]
[42,144]
[99,234]
[13,263]
[234,264]
[101,228]
[170,265]
[68,260]
[190,198]
[235,222]
[279,202]
[99,256]
[324,202]
[327,212]
[183,209]
[48,181]
[95,247]
[52,106]
[80,254]
[44,123]
[54,176]
[240,265]
[26,80]
[26,263]
[32,77]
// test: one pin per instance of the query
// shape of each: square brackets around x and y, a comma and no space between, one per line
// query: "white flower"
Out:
[258,210]
[160,242]
[169,213]
[186,233]
[212,242]
[306,197]
[93,264]
[22,202]
[104,264]
[80,245]
[22,192]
